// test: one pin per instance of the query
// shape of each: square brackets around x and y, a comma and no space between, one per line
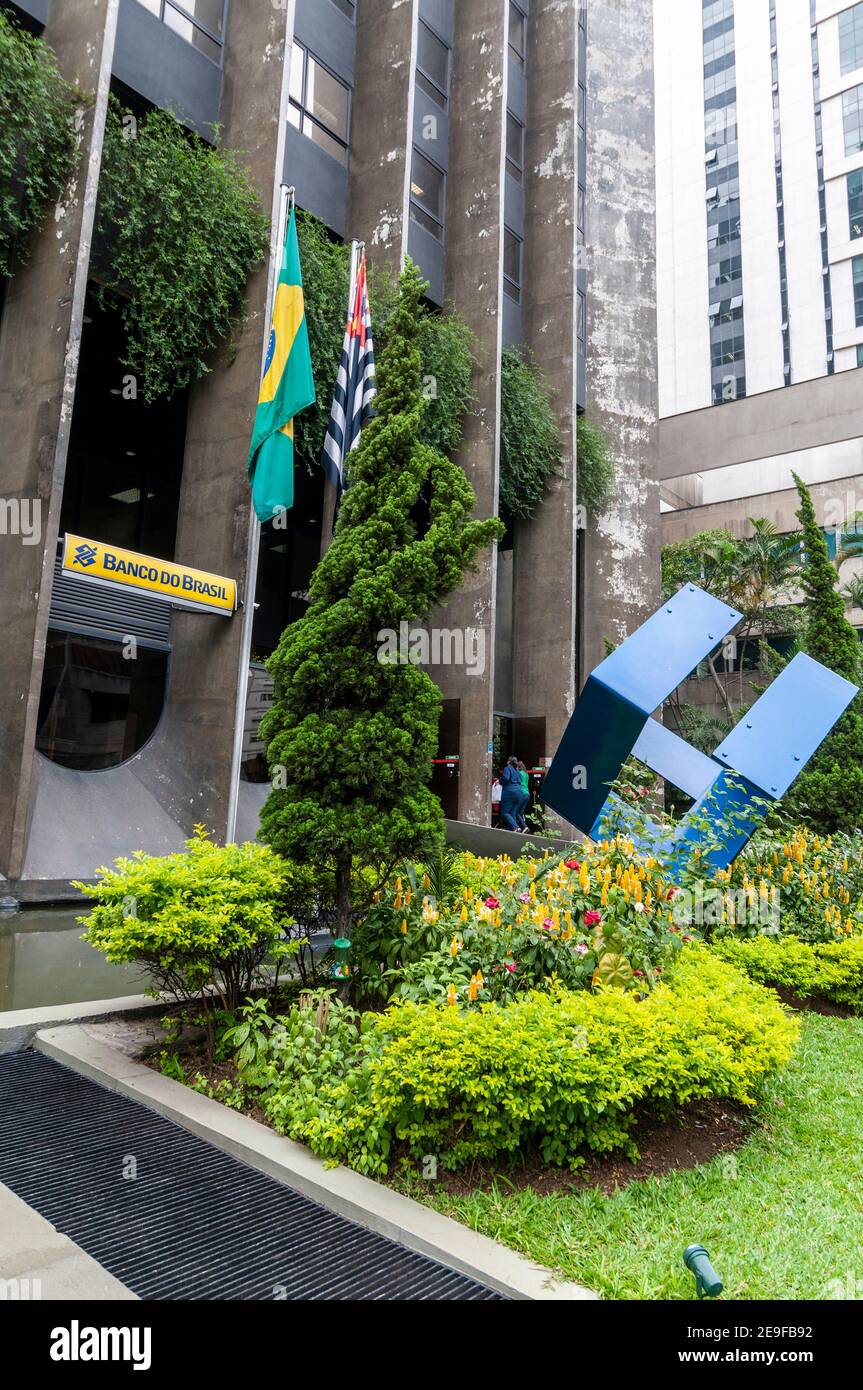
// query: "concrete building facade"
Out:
[508,149]
[760,260]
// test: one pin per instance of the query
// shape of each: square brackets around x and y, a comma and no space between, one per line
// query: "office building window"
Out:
[851,38]
[428,193]
[97,708]
[319,103]
[582,111]
[517,34]
[511,264]
[857,276]
[346,6]
[432,65]
[580,321]
[200,22]
[855,204]
[860,354]
[579,216]
[852,119]
[514,148]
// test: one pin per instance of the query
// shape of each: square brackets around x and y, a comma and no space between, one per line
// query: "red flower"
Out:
[592,918]
[510,966]
[638,972]
[572,863]
[492,902]
[547,923]
[686,938]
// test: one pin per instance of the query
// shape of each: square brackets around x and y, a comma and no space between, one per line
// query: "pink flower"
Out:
[572,863]
[547,923]
[492,902]
[581,949]
[592,918]
[524,897]
[510,966]
[638,972]
[643,791]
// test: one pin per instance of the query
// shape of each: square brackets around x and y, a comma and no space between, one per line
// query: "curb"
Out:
[18,1027]
[349,1194]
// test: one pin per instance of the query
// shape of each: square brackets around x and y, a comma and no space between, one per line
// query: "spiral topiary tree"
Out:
[828,794]
[351,735]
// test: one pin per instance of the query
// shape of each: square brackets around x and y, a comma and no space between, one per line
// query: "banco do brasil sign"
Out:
[124,569]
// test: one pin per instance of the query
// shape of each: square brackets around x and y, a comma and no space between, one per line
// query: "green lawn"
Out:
[789,1224]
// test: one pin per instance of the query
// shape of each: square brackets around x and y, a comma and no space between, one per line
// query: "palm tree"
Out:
[852,591]
[851,541]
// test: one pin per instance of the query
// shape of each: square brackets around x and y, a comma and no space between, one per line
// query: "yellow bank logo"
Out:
[124,569]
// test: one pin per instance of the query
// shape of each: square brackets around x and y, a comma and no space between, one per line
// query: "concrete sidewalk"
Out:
[38,1263]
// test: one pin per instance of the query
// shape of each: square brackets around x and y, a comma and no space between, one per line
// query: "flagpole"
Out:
[287,197]
[331,494]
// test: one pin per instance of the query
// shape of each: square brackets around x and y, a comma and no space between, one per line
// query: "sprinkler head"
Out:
[707,1281]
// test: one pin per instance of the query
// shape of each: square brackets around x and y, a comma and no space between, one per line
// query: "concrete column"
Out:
[195,738]
[544,654]
[474,281]
[381,118]
[621,547]
[379,167]
[40,339]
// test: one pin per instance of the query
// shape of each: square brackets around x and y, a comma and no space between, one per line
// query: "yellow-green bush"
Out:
[562,1070]
[205,918]
[828,970]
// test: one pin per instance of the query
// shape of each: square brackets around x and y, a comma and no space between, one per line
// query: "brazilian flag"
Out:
[287,388]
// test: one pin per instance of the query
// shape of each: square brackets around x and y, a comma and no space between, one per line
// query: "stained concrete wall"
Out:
[474,281]
[40,339]
[544,654]
[620,573]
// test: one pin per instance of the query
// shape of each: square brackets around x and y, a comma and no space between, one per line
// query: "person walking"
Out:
[511,795]
[525,798]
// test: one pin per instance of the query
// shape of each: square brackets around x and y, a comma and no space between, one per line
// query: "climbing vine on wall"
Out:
[37,137]
[594,466]
[443,339]
[181,229]
[530,450]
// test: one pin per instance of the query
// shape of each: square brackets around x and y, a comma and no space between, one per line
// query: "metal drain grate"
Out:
[193,1223]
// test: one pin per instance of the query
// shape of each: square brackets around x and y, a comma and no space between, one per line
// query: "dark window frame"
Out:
[518,57]
[306,114]
[438,94]
[514,168]
[180,9]
[511,287]
[416,204]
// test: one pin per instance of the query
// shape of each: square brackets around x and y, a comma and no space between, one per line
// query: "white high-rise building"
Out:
[759,132]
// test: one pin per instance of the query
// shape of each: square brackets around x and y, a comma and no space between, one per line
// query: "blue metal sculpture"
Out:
[732,789]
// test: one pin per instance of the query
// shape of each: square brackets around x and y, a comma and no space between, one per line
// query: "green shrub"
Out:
[827,970]
[200,920]
[183,229]
[561,1070]
[530,449]
[37,137]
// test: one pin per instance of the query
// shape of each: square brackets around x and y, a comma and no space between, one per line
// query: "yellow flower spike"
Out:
[463,913]
[398,885]
[398,901]
[532,891]
[454,947]
[426,881]
[603,897]
[451,995]
[404,927]
[532,868]
[408,895]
